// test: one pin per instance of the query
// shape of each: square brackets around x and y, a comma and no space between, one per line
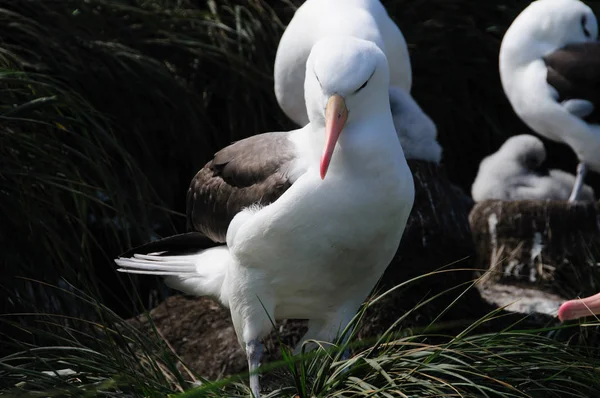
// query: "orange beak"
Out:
[574,309]
[336,115]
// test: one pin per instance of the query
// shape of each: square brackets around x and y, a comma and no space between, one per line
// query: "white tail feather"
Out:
[145,272]
[200,274]
[156,257]
[155,265]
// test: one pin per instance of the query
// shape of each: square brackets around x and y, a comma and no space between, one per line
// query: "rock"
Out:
[437,236]
[552,246]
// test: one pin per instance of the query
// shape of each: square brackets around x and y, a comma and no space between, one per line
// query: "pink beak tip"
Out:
[563,312]
[579,308]
[323,168]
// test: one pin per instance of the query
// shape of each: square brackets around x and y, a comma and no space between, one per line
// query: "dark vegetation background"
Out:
[108,109]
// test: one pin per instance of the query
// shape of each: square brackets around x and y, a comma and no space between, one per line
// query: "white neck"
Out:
[364,146]
[519,51]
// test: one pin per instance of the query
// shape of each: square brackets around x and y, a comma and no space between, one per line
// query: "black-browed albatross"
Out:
[550,71]
[311,218]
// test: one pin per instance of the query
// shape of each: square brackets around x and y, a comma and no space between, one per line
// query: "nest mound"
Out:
[552,246]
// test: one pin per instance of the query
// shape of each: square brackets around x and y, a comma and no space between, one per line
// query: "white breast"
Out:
[323,234]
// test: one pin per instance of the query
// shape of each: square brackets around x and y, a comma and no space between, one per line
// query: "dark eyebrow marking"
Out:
[365,83]
[317,76]
[361,87]
[583,22]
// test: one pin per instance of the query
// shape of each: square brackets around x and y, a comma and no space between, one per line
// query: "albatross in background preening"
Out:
[311,218]
[550,71]
[514,173]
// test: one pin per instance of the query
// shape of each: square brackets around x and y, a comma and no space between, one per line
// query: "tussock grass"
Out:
[110,358]
[106,357]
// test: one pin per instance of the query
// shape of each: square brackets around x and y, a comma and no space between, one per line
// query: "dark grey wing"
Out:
[574,71]
[255,170]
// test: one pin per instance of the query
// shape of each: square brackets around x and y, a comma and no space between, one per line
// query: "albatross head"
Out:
[547,25]
[527,150]
[346,83]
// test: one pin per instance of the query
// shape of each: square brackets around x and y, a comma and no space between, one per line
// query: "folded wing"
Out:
[574,71]
[256,170]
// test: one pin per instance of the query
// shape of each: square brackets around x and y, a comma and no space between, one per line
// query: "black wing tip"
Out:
[175,244]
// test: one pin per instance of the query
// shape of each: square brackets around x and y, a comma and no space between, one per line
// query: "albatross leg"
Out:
[252,321]
[581,172]
[313,333]
[326,330]
[254,352]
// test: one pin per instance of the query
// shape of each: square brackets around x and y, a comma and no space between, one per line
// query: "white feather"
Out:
[200,274]
[416,130]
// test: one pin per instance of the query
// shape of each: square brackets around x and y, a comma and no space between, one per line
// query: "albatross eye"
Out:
[361,87]
[583,23]
[365,83]
[318,81]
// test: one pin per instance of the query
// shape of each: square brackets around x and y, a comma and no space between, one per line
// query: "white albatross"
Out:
[311,218]
[316,19]
[550,70]
[515,172]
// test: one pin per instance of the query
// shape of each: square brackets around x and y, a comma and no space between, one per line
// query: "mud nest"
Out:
[553,246]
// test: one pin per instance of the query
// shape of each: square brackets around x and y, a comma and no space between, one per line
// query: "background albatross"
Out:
[550,72]
[316,19]
[364,19]
[324,208]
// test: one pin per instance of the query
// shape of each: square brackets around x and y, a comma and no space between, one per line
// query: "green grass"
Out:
[110,358]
